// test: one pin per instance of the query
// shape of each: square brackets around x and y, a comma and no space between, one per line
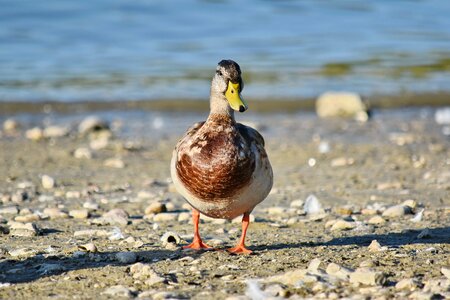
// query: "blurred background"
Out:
[116,50]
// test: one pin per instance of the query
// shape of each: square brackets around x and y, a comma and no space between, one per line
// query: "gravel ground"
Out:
[358,210]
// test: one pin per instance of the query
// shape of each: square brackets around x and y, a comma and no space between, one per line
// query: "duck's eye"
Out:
[219,73]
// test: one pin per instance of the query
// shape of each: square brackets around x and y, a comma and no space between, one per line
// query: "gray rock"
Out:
[91,233]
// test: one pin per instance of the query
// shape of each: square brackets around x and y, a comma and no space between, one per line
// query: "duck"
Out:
[220,166]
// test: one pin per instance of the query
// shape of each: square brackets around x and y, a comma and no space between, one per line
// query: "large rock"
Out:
[341,104]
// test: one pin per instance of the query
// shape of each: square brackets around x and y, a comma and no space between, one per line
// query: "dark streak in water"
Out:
[285,105]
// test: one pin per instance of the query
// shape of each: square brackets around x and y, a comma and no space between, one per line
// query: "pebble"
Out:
[145,272]
[341,104]
[170,239]
[424,234]
[155,208]
[46,269]
[22,252]
[92,123]
[338,271]
[297,203]
[389,185]
[116,216]
[184,216]
[11,125]
[9,210]
[312,205]
[314,265]
[342,225]
[288,278]
[118,291]
[367,277]
[376,220]
[48,182]
[396,211]
[27,218]
[276,210]
[126,257]
[99,143]
[91,205]
[114,163]
[369,211]
[375,246]
[34,134]
[342,162]
[441,116]
[446,272]
[83,152]
[344,211]
[73,194]
[79,213]
[23,229]
[410,203]
[406,284]
[55,213]
[89,247]
[55,131]
[91,233]
[165,217]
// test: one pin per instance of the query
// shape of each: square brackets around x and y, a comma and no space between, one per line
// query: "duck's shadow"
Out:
[38,266]
[439,235]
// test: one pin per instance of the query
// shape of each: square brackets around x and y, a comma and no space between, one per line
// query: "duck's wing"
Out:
[251,135]
[190,132]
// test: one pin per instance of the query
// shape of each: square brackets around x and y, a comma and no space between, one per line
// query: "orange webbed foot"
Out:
[198,244]
[240,249]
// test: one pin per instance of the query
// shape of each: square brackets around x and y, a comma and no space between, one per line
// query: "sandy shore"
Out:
[356,171]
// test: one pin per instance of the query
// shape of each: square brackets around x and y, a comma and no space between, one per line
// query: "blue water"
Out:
[119,50]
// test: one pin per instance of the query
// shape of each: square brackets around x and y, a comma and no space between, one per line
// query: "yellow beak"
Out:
[234,98]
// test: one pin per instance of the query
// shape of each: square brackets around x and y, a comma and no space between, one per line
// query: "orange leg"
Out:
[240,247]
[197,243]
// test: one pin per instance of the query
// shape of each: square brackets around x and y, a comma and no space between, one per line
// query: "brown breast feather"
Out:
[214,170]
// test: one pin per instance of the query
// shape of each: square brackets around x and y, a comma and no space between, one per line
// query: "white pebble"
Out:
[48,182]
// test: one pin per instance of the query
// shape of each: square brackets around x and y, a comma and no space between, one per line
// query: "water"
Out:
[126,50]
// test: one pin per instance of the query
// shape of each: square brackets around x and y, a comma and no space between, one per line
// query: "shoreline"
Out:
[283,105]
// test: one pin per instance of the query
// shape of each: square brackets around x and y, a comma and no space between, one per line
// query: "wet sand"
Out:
[355,170]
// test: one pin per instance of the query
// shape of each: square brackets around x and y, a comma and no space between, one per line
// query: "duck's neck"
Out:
[220,109]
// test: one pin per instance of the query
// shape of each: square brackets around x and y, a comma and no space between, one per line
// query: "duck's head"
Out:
[228,82]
